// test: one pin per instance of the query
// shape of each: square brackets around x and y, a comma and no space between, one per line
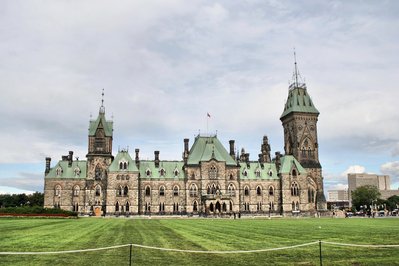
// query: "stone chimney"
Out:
[186,152]
[247,159]
[137,159]
[232,153]
[156,161]
[70,158]
[278,161]
[48,161]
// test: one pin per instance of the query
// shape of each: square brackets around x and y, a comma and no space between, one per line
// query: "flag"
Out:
[208,114]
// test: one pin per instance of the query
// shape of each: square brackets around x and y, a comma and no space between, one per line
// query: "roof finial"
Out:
[296,70]
[296,83]
[102,108]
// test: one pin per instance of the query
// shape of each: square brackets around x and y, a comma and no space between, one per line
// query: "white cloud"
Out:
[390,168]
[354,169]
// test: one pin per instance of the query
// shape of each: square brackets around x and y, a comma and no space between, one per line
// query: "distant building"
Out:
[338,199]
[382,182]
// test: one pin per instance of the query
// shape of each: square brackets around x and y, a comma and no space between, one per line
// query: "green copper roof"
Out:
[123,156]
[171,169]
[255,171]
[299,101]
[287,162]
[78,169]
[206,148]
[107,125]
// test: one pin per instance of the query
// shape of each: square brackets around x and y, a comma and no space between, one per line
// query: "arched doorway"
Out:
[224,207]
[211,207]
[195,206]
[217,206]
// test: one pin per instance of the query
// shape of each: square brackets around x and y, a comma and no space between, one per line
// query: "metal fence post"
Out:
[130,255]
[320,255]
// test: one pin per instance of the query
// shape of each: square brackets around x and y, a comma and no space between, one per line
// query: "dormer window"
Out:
[257,172]
[123,165]
[148,173]
[77,171]
[176,172]
[58,172]
[162,172]
[270,173]
[245,173]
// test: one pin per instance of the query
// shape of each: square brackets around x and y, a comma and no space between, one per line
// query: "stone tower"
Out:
[299,121]
[99,155]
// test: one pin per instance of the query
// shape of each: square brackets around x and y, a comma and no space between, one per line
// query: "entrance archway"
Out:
[211,207]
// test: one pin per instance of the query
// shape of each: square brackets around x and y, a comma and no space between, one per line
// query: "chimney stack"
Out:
[278,161]
[232,154]
[137,159]
[156,153]
[48,161]
[186,152]
[70,158]
[247,159]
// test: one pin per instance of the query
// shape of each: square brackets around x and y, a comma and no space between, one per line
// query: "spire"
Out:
[102,108]
[296,76]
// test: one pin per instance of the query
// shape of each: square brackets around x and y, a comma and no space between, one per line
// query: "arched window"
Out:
[231,190]
[245,173]
[311,195]
[148,172]
[258,191]
[294,173]
[175,191]
[270,173]
[162,172]
[293,206]
[257,173]
[57,190]
[246,191]
[213,172]
[193,190]
[120,191]
[98,190]
[161,191]
[294,189]
[176,172]
[125,190]
[125,165]
[147,191]
[127,207]
[271,191]
[117,206]
[120,166]
[231,177]
[76,190]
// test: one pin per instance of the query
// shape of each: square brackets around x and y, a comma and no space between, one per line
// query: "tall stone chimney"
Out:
[70,158]
[137,159]
[156,161]
[278,161]
[48,162]
[232,153]
[185,152]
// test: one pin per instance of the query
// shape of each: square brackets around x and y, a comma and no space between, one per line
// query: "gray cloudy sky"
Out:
[165,64]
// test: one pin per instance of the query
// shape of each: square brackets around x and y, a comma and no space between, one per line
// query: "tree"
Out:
[365,195]
[392,202]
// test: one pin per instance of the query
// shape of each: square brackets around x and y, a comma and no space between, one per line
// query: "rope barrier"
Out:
[359,245]
[196,251]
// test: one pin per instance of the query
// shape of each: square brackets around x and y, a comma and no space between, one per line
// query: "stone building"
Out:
[208,180]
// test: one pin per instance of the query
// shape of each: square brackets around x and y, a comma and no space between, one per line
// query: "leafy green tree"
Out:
[392,202]
[365,195]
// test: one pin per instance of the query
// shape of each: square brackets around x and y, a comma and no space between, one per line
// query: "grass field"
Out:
[41,234]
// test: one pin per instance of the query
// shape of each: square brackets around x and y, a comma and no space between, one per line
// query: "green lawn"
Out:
[34,234]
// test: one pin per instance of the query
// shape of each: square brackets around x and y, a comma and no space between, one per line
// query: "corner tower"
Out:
[299,121]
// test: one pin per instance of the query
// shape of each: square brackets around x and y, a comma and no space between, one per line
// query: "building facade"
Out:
[208,180]
[381,182]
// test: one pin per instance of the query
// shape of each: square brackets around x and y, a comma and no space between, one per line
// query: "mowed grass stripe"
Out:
[198,234]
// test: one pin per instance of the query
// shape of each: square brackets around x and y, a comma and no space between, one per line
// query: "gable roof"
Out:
[124,157]
[287,162]
[68,172]
[206,148]
[107,125]
[299,101]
